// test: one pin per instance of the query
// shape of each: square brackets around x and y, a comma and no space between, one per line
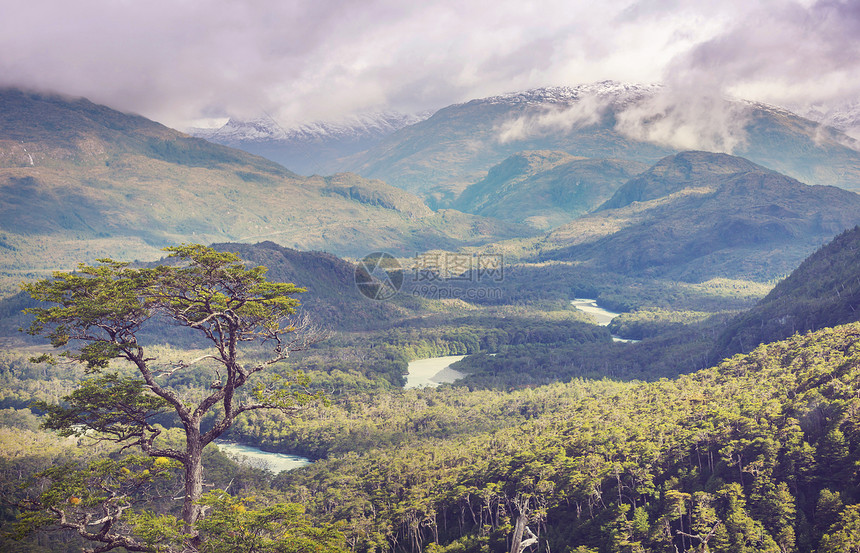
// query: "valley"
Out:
[630,346]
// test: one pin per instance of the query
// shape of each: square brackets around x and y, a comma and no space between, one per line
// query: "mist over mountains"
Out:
[311,148]
[440,156]
[589,166]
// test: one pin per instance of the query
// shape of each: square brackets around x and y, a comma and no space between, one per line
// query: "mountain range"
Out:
[311,148]
[79,181]
[698,215]
[440,156]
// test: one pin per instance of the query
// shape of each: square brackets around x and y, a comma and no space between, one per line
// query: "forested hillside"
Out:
[824,291]
[756,454]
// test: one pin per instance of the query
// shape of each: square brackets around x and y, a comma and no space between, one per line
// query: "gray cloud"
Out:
[303,60]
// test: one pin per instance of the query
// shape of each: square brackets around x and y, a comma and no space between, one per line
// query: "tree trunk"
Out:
[519,528]
[193,481]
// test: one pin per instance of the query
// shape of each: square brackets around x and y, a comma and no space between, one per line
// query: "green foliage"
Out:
[102,310]
[108,404]
[823,291]
[234,525]
[844,535]
[729,459]
[94,499]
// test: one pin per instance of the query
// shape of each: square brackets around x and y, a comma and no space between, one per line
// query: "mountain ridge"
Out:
[310,147]
[756,224]
[441,156]
[823,291]
[545,189]
[79,181]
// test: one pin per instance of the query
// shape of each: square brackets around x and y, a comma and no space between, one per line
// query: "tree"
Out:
[99,316]
[844,535]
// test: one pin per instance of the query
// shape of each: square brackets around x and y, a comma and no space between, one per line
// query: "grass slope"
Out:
[80,181]
[546,189]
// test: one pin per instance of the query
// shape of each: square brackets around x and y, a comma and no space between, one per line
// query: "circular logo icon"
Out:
[378,276]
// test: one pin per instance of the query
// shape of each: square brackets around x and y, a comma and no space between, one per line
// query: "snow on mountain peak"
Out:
[565,94]
[356,127]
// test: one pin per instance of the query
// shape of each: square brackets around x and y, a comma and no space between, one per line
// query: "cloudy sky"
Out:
[184,61]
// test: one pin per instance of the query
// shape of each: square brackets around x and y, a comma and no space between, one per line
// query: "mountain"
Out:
[79,181]
[696,215]
[331,294]
[310,148]
[546,189]
[442,155]
[331,297]
[438,158]
[845,117]
[823,291]
[676,173]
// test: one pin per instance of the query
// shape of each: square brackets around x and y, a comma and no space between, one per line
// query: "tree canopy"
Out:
[98,315]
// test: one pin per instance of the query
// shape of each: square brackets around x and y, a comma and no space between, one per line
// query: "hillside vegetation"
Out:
[700,215]
[546,189]
[755,454]
[824,291]
[80,181]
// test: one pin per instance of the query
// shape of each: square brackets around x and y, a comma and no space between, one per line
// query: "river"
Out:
[423,373]
[429,373]
[274,462]
[600,316]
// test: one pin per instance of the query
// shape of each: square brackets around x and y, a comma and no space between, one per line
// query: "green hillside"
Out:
[545,189]
[331,298]
[754,455]
[705,215]
[79,181]
[824,291]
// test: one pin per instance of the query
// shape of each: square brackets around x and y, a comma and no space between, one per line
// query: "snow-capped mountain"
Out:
[617,92]
[358,127]
[311,147]
[441,156]
[845,117]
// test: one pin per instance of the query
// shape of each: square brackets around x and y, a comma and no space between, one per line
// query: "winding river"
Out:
[600,316]
[423,373]
[429,373]
[274,462]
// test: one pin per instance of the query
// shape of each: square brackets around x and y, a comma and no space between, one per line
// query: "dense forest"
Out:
[755,454]
[557,439]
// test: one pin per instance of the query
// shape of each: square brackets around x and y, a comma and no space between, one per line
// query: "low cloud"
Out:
[682,119]
[585,112]
[302,61]
[686,120]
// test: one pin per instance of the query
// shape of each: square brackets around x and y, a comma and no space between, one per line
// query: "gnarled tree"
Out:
[97,316]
